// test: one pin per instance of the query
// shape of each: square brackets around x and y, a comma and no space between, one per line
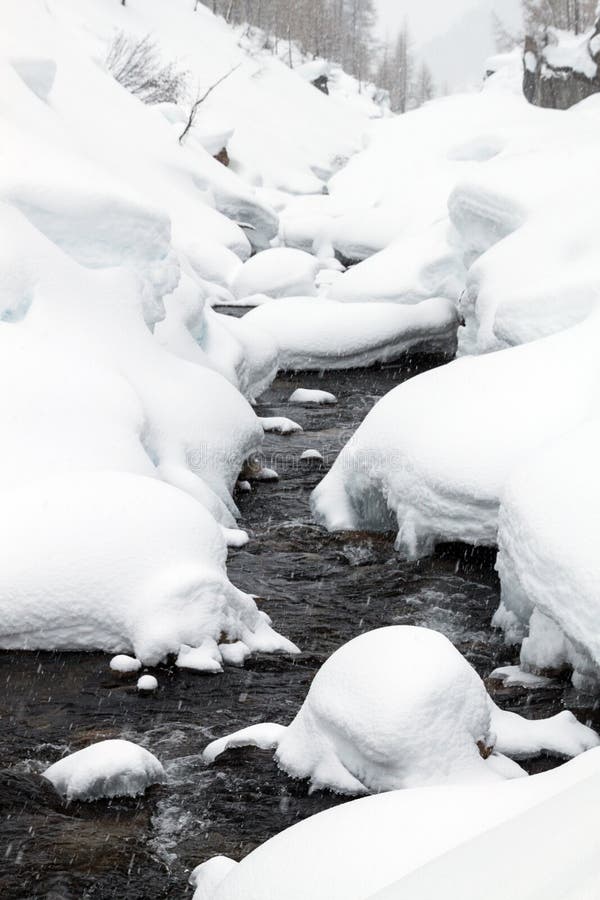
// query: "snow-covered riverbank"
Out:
[130,429]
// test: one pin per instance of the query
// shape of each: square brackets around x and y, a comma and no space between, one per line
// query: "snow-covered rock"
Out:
[278,272]
[312,395]
[280,425]
[321,334]
[118,562]
[432,457]
[548,560]
[311,454]
[147,684]
[114,768]
[544,825]
[125,664]
[400,707]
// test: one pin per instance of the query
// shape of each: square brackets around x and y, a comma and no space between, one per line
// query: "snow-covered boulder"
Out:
[320,334]
[113,768]
[120,563]
[548,557]
[544,825]
[400,707]
[125,665]
[312,395]
[432,457]
[277,272]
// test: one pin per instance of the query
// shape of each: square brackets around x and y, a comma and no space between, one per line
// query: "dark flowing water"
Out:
[321,590]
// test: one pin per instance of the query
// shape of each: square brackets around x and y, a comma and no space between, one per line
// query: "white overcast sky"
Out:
[466,21]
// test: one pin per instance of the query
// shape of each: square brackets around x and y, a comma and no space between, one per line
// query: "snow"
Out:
[266,474]
[265,736]
[311,454]
[278,272]
[118,242]
[433,456]
[514,675]
[400,707]
[114,768]
[312,395]
[206,877]
[205,658]
[521,738]
[355,850]
[234,654]
[548,560]
[565,50]
[125,664]
[280,425]
[321,334]
[117,562]
[147,683]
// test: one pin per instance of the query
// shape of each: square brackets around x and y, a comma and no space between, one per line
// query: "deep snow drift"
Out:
[544,825]
[400,707]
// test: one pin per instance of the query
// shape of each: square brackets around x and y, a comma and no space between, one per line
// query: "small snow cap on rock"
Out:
[147,683]
[114,768]
[400,707]
[311,454]
[208,876]
[125,664]
[305,395]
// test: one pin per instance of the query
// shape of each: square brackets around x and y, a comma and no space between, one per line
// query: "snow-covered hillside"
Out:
[127,422]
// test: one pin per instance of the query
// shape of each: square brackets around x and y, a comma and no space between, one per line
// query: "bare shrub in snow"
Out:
[137,65]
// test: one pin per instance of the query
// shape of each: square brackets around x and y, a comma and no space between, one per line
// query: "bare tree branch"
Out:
[199,100]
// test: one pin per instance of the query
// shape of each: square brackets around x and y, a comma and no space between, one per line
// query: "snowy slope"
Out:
[128,424]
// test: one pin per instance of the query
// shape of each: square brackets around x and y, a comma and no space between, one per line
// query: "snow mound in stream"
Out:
[434,842]
[320,334]
[400,707]
[548,557]
[432,457]
[121,563]
[114,768]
